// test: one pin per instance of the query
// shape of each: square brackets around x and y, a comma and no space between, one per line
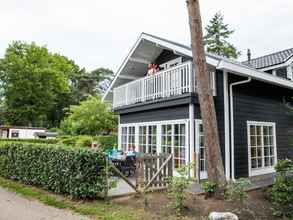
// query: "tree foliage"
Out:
[37,85]
[90,117]
[216,38]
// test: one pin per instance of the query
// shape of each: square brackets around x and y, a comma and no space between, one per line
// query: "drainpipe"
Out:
[232,122]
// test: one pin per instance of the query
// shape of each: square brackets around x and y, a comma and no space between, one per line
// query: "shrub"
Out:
[107,142]
[74,171]
[236,190]
[84,141]
[40,141]
[104,142]
[209,188]
[176,188]
[281,194]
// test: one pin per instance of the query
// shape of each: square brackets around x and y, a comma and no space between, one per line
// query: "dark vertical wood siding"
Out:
[219,105]
[162,114]
[257,101]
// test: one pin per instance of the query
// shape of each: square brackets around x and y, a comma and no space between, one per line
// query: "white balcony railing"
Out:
[170,82]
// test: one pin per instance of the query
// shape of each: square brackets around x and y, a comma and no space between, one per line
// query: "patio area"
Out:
[123,189]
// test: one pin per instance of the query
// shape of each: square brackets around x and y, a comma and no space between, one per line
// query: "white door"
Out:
[199,144]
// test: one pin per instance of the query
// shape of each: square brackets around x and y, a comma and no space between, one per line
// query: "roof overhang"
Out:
[148,47]
[242,70]
[144,51]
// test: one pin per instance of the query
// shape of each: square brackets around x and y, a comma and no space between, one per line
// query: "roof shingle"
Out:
[271,59]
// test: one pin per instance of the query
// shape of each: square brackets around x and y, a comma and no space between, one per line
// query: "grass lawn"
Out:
[98,209]
[256,207]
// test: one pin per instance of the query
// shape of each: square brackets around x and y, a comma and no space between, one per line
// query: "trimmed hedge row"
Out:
[74,171]
[104,142]
[38,141]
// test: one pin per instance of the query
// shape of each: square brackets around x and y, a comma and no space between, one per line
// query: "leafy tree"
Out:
[217,34]
[94,82]
[90,117]
[34,81]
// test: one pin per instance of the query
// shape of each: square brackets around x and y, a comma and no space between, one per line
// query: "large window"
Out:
[173,140]
[179,145]
[157,137]
[124,138]
[142,143]
[127,138]
[166,139]
[131,138]
[262,147]
[202,153]
[152,139]
[147,139]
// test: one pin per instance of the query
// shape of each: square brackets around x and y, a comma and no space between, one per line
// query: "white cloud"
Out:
[100,33]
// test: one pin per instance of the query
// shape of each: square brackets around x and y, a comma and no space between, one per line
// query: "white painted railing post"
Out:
[191,77]
[173,81]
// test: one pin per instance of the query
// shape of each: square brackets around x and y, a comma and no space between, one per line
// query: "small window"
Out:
[282,72]
[14,134]
[171,63]
[262,147]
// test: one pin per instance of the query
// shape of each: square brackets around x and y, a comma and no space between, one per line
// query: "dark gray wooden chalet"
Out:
[160,113]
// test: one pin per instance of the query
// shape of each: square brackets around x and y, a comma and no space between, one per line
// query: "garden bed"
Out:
[257,207]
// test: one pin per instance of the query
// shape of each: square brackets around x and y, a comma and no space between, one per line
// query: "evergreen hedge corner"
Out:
[30,140]
[70,171]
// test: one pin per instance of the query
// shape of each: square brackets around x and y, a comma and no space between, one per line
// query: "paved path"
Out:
[15,207]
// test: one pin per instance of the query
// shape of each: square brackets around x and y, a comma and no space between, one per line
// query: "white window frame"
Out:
[204,173]
[263,170]
[120,138]
[159,124]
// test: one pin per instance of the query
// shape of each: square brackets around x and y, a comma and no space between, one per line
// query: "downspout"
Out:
[232,122]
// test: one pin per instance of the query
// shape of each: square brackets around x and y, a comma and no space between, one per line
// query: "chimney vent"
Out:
[248,55]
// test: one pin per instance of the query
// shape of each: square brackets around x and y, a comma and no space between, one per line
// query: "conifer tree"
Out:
[217,34]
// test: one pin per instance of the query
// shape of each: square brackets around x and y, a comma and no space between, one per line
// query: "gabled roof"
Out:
[148,46]
[270,59]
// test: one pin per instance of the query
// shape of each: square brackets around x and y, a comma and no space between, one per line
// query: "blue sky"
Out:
[99,33]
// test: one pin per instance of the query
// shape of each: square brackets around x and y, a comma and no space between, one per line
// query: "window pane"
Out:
[253,163]
[252,130]
[253,140]
[258,130]
[253,152]
[266,130]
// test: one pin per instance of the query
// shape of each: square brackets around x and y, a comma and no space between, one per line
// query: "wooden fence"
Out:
[152,172]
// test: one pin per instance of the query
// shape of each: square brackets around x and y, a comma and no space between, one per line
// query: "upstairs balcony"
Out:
[174,81]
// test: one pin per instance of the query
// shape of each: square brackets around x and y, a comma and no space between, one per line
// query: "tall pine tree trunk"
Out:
[215,166]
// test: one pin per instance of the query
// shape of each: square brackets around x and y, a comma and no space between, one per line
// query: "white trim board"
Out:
[263,170]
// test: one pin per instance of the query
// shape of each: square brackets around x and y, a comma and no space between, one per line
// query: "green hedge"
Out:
[39,141]
[104,142]
[74,171]
[281,193]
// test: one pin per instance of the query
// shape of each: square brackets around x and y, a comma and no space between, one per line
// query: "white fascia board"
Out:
[123,65]
[128,77]
[178,49]
[239,69]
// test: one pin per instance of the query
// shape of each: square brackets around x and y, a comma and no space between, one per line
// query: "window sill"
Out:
[262,171]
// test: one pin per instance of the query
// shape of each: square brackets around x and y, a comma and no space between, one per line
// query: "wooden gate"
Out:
[152,171]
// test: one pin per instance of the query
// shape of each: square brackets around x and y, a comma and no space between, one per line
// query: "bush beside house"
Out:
[72,171]
[37,141]
[281,194]
[105,142]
